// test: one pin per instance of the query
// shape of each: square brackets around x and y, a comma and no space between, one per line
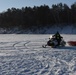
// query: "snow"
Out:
[64,29]
[22,54]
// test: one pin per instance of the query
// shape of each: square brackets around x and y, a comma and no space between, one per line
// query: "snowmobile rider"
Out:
[58,37]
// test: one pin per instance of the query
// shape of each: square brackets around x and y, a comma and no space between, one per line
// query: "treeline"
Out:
[38,16]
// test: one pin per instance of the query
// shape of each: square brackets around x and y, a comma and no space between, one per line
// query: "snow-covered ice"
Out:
[24,55]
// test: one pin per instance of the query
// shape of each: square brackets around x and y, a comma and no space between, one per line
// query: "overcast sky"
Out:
[5,4]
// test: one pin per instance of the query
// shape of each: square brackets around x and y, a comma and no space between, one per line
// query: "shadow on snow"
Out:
[68,47]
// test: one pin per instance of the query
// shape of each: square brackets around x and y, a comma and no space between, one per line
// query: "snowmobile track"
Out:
[29,58]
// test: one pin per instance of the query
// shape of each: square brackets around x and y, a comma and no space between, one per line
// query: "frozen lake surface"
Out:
[22,54]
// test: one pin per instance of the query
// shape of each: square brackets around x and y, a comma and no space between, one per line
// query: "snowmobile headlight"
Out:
[50,36]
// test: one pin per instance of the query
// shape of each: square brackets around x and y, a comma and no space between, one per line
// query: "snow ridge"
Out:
[68,29]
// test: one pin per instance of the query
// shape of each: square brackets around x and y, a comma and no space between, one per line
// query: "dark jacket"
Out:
[58,37]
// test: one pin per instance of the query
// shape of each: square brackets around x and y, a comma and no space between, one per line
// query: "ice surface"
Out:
[24,55]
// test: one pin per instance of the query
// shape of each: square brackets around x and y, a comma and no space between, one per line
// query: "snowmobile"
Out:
[53,43]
